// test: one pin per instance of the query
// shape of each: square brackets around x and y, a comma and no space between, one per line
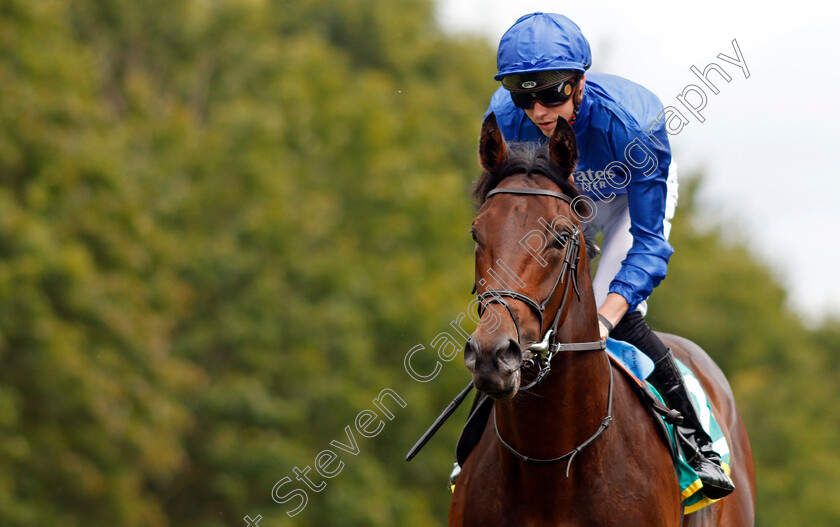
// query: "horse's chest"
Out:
[582,508]
[605,493]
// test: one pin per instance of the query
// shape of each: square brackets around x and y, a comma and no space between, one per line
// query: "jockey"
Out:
[625,166]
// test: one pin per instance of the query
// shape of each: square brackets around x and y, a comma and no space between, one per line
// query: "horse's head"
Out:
[528,244]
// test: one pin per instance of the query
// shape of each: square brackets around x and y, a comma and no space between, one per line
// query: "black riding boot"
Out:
[695,442]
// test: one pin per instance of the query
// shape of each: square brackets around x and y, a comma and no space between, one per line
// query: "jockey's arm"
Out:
[646,263]
[613,308]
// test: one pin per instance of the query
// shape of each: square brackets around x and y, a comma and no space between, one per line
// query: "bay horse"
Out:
[578,448]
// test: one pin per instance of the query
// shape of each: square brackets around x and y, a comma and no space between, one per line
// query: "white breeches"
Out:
[613,220]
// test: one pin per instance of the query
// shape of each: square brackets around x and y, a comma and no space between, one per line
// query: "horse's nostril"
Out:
[505,358]
[509,353]
[470,353]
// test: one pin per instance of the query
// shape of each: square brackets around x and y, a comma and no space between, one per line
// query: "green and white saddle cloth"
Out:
[690,485]
[638,365]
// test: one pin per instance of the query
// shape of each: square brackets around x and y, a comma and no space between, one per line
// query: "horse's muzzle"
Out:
[494,366]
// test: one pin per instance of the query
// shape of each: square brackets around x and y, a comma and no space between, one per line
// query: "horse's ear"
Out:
[491,148]
[563,146]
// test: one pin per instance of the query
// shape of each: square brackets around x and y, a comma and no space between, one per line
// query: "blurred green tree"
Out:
[222,226]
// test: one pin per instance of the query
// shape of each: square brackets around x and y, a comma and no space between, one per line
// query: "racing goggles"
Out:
[549,96]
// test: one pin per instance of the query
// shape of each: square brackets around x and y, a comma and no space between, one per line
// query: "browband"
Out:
[530,191]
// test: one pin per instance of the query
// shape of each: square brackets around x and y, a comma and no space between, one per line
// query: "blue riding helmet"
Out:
[542,42]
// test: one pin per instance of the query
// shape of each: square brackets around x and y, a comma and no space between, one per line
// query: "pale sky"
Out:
[769,142]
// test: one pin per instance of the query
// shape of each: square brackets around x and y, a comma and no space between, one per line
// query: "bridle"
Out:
[548,347]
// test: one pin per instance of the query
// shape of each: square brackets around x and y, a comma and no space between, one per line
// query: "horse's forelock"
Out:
[529,159]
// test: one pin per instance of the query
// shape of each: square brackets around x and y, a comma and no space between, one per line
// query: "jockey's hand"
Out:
[612,310]
[603,329]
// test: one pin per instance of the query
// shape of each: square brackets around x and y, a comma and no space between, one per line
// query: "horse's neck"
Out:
[564,411]
[570,404]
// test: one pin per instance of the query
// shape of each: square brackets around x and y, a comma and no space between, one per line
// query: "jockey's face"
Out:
[545,117]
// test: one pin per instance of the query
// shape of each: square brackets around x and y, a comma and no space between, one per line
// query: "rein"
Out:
[549,347]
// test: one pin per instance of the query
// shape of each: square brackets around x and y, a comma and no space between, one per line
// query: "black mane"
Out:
[529,159]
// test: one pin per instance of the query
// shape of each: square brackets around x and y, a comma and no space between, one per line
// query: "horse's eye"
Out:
[560,240]
[472,233]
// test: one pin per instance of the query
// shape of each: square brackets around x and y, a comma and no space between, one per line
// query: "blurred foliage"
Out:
[224,223]
[786,378]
